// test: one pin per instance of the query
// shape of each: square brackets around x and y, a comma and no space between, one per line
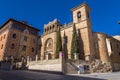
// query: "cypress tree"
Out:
[74,42]
[65,46]
[58,43]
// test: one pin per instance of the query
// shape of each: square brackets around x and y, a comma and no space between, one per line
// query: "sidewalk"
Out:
[108,76]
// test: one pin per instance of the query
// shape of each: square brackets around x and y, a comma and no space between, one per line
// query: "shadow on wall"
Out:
[65,49]
[81,46]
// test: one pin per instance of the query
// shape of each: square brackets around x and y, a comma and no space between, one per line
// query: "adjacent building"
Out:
[17,39]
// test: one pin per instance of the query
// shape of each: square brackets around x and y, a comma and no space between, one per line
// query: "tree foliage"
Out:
[74,42]
[58,43]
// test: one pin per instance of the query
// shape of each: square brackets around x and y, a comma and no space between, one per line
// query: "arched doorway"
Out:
[49,56]
[48,48]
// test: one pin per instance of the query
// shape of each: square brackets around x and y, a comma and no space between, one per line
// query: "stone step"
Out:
[43,62]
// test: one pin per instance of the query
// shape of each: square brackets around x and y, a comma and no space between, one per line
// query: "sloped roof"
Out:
[11,19]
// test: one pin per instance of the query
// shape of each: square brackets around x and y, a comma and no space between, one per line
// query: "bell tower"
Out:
[81,13]
[82,21]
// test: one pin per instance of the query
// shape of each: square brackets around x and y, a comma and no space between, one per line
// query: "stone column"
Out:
[88,57]
[75,56]
[60,56]
[109,46]
[69,56]
[47,56]
[103,48]
[28,58]
[42,54]
[36,57]
[63,62]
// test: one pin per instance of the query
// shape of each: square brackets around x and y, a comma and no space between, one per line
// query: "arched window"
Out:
[119,53]
[111,46]
[45,29]
[79,14]
[25,38]
[50,27]
[49,44]
[53,26]
[2,46]
[117,45]
[32,49]
[88,14]
[4,36]
[1,38]
[14,36]
[12,46]
[24,48]
[33,40]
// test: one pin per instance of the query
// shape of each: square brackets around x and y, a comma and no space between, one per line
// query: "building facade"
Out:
[92,45]
[82,22]
[18,40]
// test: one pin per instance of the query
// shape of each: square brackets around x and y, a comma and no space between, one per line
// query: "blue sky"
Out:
[105,13]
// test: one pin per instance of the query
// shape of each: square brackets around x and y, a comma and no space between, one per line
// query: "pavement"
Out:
[32,75]
[105,76]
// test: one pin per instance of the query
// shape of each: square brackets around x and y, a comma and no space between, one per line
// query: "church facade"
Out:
[92,45]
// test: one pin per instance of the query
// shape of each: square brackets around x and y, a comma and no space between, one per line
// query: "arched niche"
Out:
[48,50]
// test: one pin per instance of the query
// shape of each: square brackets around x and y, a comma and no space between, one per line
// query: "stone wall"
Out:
[84,30]
[46,65]
[4,33]
[98,67]
[44,38]
[5,66]
[116,67]
[77,66]
[102,47]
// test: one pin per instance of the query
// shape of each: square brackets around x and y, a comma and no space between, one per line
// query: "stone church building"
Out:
[92,45]
[19,39]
